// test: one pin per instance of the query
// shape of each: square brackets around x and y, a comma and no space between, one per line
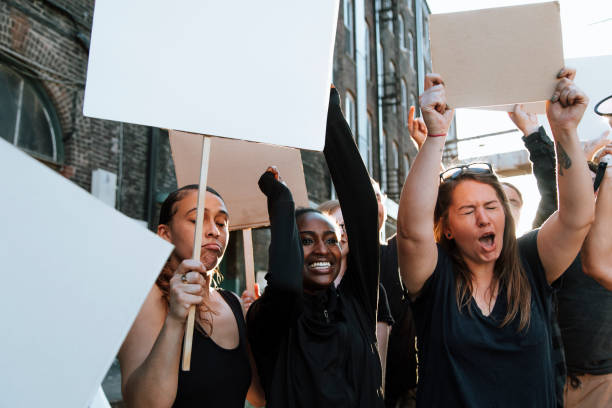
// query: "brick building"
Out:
[381,56]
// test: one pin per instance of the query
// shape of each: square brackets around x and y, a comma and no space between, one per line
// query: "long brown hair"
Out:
[167,212]
[508,270]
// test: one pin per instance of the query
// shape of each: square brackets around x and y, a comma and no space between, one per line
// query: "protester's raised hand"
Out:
[417,128]
[188,287]
[607,149]
[590,147]
[436,113]
[567,104]
[249,297]
[524,121]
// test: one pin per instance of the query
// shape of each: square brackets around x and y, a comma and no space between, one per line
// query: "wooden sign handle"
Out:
[197,246]
[249,264]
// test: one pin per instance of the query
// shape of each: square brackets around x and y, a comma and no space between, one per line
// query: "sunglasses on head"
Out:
[477,168]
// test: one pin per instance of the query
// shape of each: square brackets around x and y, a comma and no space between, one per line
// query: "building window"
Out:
[349,25]
[413,101]
[369,136]
[409,6]
[383,161]
[404,102]
[401,33]
[392,71]
[368,53]
[425,33]
[28,119]
[411,50]
[350,112]
[406,165]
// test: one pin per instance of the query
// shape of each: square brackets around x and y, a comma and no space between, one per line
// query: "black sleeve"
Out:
[286,256]
[542,156]
[358,204]
[270,315]
[384,311]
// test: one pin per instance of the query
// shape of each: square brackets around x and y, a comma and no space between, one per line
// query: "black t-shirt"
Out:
[467,360]
[585,319]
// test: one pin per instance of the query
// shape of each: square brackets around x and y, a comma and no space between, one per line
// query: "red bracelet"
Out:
[441,134]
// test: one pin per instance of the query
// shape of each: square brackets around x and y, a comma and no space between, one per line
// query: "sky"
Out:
[587,31]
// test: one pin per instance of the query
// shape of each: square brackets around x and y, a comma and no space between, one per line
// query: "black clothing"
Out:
[542,155]
[320,350]
[401,353]
[219,377]
[584,306]
[585,317]
[467,360]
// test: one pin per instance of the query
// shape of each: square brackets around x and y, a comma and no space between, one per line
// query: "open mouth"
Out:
[487,241]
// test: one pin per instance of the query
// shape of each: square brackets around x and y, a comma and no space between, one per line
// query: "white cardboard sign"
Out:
[242,69]
[75,274]
[499,56]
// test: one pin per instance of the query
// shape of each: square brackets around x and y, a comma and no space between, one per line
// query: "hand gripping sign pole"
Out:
[197,247]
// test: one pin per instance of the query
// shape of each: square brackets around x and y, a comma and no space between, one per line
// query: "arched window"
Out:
[391,80]
[28,119]
[404,103]
[425,33]
[413,101]
[383,161]
[368,53]
[395,158]
[409,6]
[350,111]
[349,28]
[400,31]
[411,49]
[406,165]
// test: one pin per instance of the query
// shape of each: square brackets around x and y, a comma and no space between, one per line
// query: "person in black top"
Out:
[384,318]
[584,303]
[316,346]
[482,300]
[222,371]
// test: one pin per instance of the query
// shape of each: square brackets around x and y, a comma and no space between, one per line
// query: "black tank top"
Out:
[219,377]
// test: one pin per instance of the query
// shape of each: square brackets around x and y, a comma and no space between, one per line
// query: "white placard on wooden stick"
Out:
[75,273]
[240,69]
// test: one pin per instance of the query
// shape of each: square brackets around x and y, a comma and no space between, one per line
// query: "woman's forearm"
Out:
[576,202]
[420,191]
[154,383]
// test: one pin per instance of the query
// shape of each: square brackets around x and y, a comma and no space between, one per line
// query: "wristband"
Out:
[438,135]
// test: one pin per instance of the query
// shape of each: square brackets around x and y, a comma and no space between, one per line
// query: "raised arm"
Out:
[417,250]
[542,156]
[286,257]
[358,203]
[597,248]
[562,235]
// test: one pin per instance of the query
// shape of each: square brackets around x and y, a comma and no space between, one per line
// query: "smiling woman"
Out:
[315,346]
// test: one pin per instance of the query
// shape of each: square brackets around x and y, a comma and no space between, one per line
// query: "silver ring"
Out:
[183,278]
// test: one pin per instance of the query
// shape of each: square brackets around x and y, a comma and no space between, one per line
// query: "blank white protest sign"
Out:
[241,69]
[75,274]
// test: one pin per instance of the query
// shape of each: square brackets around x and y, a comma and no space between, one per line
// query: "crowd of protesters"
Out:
[492,320]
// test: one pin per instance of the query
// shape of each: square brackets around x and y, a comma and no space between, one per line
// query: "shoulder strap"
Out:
[236,307]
